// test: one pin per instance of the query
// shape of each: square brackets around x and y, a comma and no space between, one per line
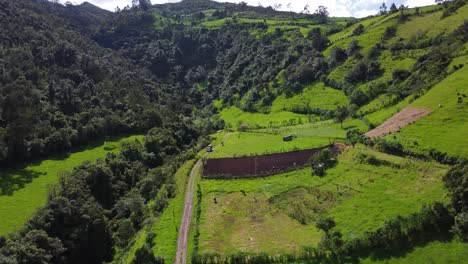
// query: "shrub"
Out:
[322,161]
[358,30]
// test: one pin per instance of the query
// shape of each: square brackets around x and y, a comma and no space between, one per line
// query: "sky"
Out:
[337,8]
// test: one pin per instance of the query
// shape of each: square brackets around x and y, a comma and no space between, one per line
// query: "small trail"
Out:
[184,230]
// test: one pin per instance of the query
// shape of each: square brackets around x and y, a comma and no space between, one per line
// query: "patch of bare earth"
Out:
[398,121]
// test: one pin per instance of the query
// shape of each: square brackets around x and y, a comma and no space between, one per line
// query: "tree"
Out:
[341,114]
[322,14]
[358,30]
[352,137]
[337,56]
[393,8]
[145,255]
[143,4]
[124,233]
[383,9]
[21,113]
[325,224]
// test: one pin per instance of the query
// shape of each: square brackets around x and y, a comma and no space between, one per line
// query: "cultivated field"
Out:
[278,213]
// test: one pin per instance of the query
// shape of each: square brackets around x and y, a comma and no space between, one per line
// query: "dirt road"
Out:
[184,230]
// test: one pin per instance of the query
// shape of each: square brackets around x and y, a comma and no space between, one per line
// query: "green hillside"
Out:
[200,80]
[24,190]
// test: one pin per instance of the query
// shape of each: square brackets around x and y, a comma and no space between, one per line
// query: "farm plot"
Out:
[278,213]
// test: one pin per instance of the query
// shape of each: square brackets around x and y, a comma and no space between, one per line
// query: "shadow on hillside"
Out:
[404,249]
[13,180]
[16,176]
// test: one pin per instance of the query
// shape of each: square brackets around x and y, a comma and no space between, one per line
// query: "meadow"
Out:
[445,128]
[25,189]
[270,140]
[233,116]
[278,213]
[315,95]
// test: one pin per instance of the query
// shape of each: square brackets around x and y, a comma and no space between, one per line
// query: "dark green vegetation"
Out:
[73,75]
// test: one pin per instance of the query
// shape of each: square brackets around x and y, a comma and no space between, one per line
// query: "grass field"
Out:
[431,24]
[24,190]
[316,95]
[233,115]
[267,141]
[262,215]
[435,252]
[446,127]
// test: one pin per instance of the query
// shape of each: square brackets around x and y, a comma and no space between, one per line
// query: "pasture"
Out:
[278,213]
[446,127]
[268,141]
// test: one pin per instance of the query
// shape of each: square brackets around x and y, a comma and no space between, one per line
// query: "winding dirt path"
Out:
[184,230]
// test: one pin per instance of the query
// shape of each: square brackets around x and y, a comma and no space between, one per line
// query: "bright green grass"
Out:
[27,188]
[165,226]
[432,24]
[233,115]
[383,192]
[382,115]
[272,22]
[388,63]
[317,96]
[453,252]
[378,103]
[446,127]
[366,197]
[266,141]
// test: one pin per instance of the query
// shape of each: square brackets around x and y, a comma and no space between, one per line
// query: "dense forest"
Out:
[74,74]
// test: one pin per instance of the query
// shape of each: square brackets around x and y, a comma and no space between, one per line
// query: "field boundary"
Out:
[262,165]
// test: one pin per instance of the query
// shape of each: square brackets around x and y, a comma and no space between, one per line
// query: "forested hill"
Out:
[60,89]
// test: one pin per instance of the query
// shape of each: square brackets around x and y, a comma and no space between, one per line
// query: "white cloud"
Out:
[414,3]
[338,8]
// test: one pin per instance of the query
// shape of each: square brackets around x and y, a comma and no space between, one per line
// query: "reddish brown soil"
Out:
[264,165]
[398,121]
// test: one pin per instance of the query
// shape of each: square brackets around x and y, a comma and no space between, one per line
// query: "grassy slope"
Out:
[366,197]
[445,128]
[317,95]
[431,24]
[29,186]
[264,141]
[233,115]
[384,191]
